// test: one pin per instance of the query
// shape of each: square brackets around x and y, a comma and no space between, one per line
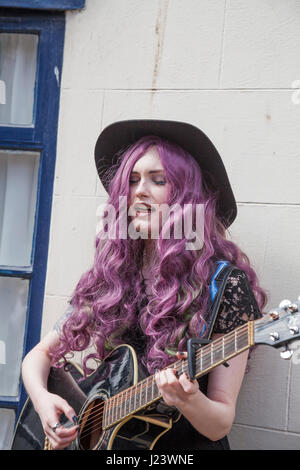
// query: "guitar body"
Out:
[117,372]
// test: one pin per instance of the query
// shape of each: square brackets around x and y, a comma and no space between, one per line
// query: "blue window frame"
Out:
[42,137]
[44,4]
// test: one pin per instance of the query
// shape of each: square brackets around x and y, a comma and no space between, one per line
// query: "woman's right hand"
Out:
[49,408]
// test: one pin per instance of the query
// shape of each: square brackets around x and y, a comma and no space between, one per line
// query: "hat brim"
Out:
[121,134]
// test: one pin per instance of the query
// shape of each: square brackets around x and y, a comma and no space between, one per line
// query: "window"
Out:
[31,49]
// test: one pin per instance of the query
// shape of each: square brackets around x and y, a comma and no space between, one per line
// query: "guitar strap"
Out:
[217,287]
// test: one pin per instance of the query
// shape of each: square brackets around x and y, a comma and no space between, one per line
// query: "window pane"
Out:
[18,190]
[7,421]
[18,57]
[13,307]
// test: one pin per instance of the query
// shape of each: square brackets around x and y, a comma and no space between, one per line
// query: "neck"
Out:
[149,253]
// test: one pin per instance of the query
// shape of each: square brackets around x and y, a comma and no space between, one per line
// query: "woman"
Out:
[149,287]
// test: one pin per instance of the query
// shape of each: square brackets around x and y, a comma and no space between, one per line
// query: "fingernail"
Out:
[75,420]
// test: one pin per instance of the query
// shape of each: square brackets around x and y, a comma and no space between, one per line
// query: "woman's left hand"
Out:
[176,391]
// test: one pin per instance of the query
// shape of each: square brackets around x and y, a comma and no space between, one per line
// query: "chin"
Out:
[144,228]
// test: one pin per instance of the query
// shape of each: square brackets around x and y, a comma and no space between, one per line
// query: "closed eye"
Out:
[159,182]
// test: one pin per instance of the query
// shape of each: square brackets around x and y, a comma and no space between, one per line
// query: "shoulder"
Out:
[238,287]
[238,304]
[237,280]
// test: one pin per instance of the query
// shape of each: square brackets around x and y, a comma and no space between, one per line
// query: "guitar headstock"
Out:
[280,327]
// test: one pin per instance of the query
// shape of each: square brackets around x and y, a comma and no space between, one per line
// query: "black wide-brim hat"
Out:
[121,134]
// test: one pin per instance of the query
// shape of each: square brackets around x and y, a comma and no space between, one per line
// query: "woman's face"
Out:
[148,189]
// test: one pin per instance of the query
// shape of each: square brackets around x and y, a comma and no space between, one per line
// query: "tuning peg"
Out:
[286,353]
[294,307]
[285,304]
[274,314]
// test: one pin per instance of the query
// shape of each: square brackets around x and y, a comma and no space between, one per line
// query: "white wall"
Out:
[229,67]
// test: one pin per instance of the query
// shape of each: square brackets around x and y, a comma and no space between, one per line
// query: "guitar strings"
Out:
[140,387]
[144,384]
[97,411]
[93,426]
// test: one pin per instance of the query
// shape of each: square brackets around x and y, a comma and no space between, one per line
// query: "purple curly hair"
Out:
[107,297]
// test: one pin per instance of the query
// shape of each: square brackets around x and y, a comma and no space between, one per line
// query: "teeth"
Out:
[144,209]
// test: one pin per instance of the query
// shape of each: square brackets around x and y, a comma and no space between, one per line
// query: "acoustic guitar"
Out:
[119,408]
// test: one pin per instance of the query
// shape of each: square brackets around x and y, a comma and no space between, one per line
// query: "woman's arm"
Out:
[211,415]
[35,372]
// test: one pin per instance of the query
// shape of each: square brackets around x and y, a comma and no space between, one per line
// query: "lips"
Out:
[143,208]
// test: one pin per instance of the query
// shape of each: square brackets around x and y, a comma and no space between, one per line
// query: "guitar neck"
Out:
[146,392]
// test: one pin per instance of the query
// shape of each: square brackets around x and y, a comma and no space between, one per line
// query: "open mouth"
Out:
[143,209]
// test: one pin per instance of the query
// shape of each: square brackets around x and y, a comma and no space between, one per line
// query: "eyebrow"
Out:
[152,171]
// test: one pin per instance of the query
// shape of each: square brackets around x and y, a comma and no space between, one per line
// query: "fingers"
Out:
[64,407]
[167,377]
[175,390]
[182,355]
[60,437]
[188,385]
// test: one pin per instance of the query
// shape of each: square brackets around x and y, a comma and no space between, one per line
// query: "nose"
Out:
[141,189]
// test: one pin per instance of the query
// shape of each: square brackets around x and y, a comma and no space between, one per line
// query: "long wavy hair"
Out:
[106,303]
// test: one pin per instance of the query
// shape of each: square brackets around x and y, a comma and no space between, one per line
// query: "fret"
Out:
[120,404]
[111,407]
[128,400]
[152,388]
[235,342]
[125,402]
[229,348]
[201,360]
[156,391]
[146,390]
[108,411]
[218,351]
[113,411]
[104,414]
[131,404]
[117,406]
[127,407]
[211,354]
[206,358]
[135,395]
[223,348]
[140,395]
[242,339]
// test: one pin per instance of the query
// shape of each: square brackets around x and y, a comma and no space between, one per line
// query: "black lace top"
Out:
[238,305]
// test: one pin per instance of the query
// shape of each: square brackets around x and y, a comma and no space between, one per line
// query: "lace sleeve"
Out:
[238,304]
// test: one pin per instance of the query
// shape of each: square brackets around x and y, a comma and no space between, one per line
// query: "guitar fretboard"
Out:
[145,392]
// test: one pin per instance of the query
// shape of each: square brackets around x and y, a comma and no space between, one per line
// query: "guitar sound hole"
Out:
[90,424]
